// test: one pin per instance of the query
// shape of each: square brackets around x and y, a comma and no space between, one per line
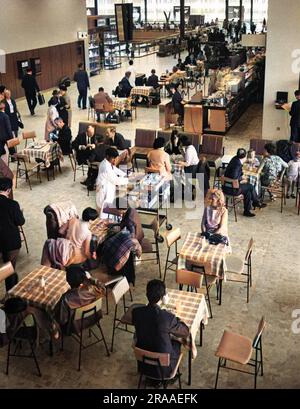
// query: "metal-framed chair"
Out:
[160,360]
[28,135]
[278,189]
[232,200]
[23,238]
[76,167]
[172,238]
[152,247]
[235,268]
[12,143]
[239,350]
[27,332]
[85,318]
[27,169]
[91,109]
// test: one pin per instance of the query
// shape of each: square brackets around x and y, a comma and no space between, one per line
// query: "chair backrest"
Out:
[6,271]
[144,138]
[260,330]
[212,144]
[88,310]
[259,145]
[91,102]
[195,138]
[164,134]
[143,356]
[120,289]
[21,157]
[190,278]
[230,183]
[250,249]
[173,236]
[29,135]
[11,143]
[100,128]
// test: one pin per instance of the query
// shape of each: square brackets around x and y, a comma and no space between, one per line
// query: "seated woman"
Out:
[173,145]
[159,160]
[191,158]
[215,216]
[271,166]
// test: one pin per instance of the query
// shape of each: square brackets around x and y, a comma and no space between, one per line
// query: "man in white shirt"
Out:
[132,77]
[109,176]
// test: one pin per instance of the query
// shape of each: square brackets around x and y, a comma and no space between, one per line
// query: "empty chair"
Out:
[12,143]
[172,239]
[235,268]
[91,109]
[23,238]
[152,247]
[28,135]
[161,360]
[239,349]
[258,145]
[27,169]
[212,149]
[144,139]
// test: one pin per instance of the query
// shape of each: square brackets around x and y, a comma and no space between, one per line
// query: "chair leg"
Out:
[261,360]
[217,376]
[234,208]
[248,287]
[35,360]
[80,350]
[179,379]
[102,335]
[140,381]
[114,329]
[75,169]
[220,291]
[8,356]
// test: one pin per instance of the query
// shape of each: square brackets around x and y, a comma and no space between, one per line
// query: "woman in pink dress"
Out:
[215,217]
[159,160]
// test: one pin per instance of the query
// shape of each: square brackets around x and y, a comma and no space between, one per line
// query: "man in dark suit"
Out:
[31,88]
[11,217]
[5,131]
[117,140]
[64,136]
[178,103]
[155,327]
[234,171]
[83,83]
[84,144]
[295,119]
[125,86]
[152,81]
[97,155]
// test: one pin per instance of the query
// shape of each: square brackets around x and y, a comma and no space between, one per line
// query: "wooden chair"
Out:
[212,148]
[23,238]
[28,135]
[152,247]
[278,189]
[235,268]
[258,145]
[76,167]
[27,333]
[12,143]
[91,109]
[86,318]
[118,292]
[161,360]
[239,350]
[172,238]
[235,199]
[27,169]
[144,139]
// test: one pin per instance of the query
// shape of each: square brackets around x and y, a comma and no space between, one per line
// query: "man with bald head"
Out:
[84,143]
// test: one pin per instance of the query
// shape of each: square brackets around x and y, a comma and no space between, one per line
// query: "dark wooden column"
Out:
[241,9]
[146,11]
[227,9]
[251,12]
[182,22]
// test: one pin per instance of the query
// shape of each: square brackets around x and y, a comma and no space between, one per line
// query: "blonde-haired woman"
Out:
[215,216]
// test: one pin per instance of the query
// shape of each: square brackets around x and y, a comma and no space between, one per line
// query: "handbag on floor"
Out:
[41,98]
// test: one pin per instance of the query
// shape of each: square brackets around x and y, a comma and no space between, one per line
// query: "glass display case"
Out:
[94,54]
[112,50]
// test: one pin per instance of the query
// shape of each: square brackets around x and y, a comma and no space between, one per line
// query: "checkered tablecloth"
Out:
[191,308]
[122,104]
[48,152]
[30,290]
[252,177]
[143,91]
[197,251]
[177,169]
[99,228]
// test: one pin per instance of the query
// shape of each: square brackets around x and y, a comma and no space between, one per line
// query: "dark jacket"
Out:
[13,116]
[5,131]
[295,114]
[98,154]
[30,85]
[64,139]
[119,142]
[11,218]
[125,88]
[177,105]
[234,169]
[152,81]
[82,79]
[154,327]
[82,155]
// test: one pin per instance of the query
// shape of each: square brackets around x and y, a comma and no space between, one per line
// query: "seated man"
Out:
[155,328]
[173,80]
[103,102]
[152,81]
[97,155]
[234,171]
[116,139]
[125,86]
[64,136]
[83,144]
[84,291]
[180,65]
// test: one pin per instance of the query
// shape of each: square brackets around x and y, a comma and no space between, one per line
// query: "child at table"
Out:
[252,159]
[293,175]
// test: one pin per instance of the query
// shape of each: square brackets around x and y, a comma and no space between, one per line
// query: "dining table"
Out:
[48,152]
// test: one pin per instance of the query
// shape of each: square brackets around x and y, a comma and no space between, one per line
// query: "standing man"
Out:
[132,77]
[11,217]
[178,104]
[31,88]
[295,118]
[83,84]
[5,132]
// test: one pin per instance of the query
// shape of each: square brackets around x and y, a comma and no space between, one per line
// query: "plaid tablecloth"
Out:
[252,177]
[144,91]
[122,104]
[48,152]
[191,308]
[99,228]
[197,251]
[30,290]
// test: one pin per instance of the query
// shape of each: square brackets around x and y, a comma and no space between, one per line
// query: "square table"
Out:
[99,228]
[30,290]
[253,176]
[198,252]
[48,152]
[141,91]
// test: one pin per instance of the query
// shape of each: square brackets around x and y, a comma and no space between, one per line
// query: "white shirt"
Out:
[294,169]
[11,107]
[191,156]
[109,177]
[132,76]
